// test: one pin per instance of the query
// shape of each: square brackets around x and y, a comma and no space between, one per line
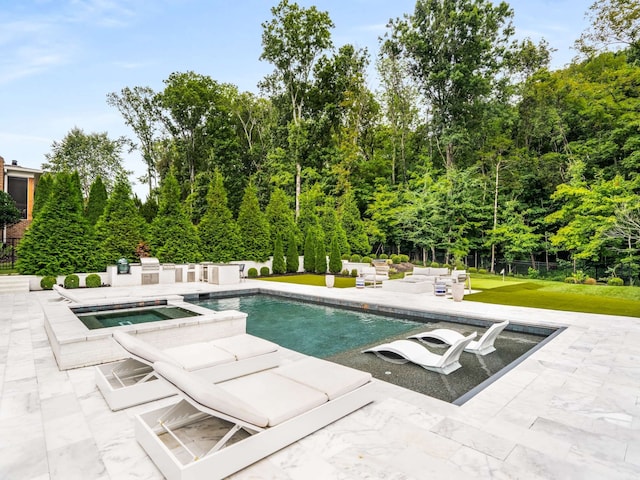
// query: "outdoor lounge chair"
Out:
[375,275]
[403,351]
[133,381]
[65,294]
[483,346]
[218,429]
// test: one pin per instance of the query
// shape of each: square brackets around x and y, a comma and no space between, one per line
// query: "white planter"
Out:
[457,292]
[329,280]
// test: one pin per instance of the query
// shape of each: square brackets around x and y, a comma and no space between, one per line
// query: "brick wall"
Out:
[17,230]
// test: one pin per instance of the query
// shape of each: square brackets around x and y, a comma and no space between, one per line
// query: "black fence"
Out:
[9,254]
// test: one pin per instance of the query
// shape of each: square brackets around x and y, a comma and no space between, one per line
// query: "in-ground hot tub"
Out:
[76,345]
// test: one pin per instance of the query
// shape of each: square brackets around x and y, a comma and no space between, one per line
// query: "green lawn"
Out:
[524,292]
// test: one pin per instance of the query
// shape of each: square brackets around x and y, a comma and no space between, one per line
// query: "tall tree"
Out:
[60,240]
[614,24]
[121,228]
[139,108]
[41,195]
[254,228]
[91,155]
[218,231]
[9,213]
[457,51]
[97,201]
[292,41]
[172,236]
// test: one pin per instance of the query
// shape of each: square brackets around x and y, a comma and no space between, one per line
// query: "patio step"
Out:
[14,284]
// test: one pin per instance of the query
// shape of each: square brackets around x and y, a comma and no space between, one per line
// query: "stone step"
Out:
[14,284]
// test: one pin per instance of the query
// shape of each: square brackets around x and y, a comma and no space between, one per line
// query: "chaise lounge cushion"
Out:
[210,395]
[245,346]
[332,379]
[140,348]
[196,356]
[276,397]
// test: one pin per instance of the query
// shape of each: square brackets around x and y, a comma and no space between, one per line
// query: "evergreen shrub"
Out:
[404,258]
[615,282]
[354,272]
[482,270]
[345,256]
[395,259]
[533,273]
[292,261]
[71,281]
[366,259]
[47,282]
[93,280]
[355,258]
[279,266]
[335,262]
[345,272]
[569,280]
[435,265]
[264,271]
[473,270]
[252,272]
[383,256]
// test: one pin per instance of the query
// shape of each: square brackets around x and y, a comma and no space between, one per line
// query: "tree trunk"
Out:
[298,175]
[495,217]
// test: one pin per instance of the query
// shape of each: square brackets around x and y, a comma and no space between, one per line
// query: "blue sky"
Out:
[60,58]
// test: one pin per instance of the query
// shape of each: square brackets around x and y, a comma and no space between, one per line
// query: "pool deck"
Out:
[569,411]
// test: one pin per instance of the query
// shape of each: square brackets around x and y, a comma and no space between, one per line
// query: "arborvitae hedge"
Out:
[97,200]
[309,260]
[278,265]
[320,253]
[293,261]
[60,240]
[173,237]
[254,228]
[120,228]
[335,259]
[218,231]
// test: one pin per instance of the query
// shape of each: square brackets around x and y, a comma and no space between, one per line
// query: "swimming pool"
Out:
[312,329]
[340,335]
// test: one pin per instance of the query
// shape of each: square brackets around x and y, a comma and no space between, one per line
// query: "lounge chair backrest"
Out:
[141,349]
[491,334]
[422,271]
[453,353]
[368,270]
[209,394]
[439,271]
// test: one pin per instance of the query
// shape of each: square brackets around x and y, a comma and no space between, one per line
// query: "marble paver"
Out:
[571,410]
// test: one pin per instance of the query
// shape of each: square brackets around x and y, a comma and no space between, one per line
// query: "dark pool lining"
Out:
[420,316]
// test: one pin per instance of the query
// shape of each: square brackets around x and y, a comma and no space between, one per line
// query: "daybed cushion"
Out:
[328,377]
[245,346]
[196,356]
[276,397]
[210,395]
[141,348]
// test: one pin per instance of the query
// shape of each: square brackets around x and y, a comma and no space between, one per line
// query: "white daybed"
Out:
[216,430]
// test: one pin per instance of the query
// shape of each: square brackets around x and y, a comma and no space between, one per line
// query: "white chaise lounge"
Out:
[133,381]
[65,294]
[403,351]
[218,429]
[483,346]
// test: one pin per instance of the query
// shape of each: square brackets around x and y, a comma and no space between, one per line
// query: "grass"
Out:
[523,293]
[311,279]
[601,299]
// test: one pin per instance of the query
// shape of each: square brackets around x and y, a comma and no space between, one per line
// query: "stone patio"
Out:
[571,410]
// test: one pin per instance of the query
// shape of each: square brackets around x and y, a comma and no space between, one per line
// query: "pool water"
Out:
[115,318]
[317,330]
[339,335]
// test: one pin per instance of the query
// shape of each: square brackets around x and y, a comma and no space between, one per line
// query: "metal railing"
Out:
[8,253]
